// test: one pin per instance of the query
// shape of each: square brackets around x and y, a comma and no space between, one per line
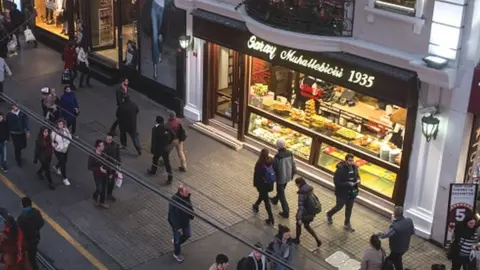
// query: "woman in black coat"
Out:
[43,153]
[264,162]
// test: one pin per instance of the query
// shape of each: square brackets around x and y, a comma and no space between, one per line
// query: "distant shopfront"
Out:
[134,38]
[324,105]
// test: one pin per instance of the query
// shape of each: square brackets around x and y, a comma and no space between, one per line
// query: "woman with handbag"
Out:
[83,65]
[464,245]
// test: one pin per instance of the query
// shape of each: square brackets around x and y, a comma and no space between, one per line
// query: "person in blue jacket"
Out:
[69,108]
[19,129]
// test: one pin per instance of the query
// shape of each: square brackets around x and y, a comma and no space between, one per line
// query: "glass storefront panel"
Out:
[372,176]
[358,121]
[51,16]
[269,131]
[225,82]
[160,26]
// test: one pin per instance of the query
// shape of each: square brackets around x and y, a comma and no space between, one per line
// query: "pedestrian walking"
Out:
[61,138]
[120,95]
[30,222]
[70,109]
[112,154]
[4,69]
[175,125]
[373,256]
[179,220]
[160,147]
[44,153]
[100,174]
[4,137]
[19,129]
[17,21]
[83,65]
[263,182]
[346,179]
[30,13]
[13,247]
[221,263]
[254,261]
[308,207]
[50,104]
[400,233]
[127,120]
[285,169]
[281,248]
[69,56]
[463,242]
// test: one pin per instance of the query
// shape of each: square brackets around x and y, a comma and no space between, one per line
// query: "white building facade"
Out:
[398,35]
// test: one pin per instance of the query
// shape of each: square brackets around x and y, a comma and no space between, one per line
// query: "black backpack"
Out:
[243,263]
[313,204]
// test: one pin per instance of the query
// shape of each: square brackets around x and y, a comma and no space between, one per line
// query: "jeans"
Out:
[348,203]
[281,197]
[263,196]
[135,139]
[157,19]
[396,259]
[72,123]
[19,143]
[32,255]
[62,163]
[100,188]
[179,238]
[84,70]
[3,154]
[166,161]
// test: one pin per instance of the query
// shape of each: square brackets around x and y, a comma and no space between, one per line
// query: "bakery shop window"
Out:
[373,177]
[51,16]
[269,131]
[358,121]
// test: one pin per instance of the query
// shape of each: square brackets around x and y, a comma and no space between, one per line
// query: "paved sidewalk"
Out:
[135,233]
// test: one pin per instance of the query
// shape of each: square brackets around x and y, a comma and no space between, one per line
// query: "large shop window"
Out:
[51,16]
[161,25]
[340,119]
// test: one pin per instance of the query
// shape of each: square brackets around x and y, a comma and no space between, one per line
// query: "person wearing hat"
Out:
[161,141]
[19,129]
[112,154]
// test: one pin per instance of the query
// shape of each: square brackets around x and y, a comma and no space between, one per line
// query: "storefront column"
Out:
[194,75]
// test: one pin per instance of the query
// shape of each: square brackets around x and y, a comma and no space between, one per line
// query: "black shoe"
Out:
[151,172]
[40,176]
[319,243]
[269,222]
[182,169]
[283,215]
[139,153]
[274,201]
[5,169]
[296,241]
[255,208]
[111,198]
[348,228]
[51,186]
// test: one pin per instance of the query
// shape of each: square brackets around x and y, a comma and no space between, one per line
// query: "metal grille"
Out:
[317,17]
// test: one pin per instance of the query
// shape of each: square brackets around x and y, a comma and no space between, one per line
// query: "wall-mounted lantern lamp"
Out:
[430,127]
[186,42]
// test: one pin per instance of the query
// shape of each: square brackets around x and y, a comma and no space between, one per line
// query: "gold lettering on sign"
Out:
[474,158]
[291,56]
[262,47]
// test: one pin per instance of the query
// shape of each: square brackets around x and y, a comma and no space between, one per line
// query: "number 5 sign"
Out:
[461,203]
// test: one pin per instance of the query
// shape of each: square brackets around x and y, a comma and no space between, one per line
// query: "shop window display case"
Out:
[51,16]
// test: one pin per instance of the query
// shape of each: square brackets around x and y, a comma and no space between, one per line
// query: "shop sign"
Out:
[293,56]
[461,203]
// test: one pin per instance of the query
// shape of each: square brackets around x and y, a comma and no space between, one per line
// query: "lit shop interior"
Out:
[52,16]
[321,122]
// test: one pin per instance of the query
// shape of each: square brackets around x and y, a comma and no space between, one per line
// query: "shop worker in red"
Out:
[70,58]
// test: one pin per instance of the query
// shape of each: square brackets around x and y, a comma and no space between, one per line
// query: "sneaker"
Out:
[179,258]
[56,170]
[5,169]
[329,220]
[283,215]
[255,208]
[66,182]
[104,205]
[269,222]
[348,228]
[51,186]
[182,169]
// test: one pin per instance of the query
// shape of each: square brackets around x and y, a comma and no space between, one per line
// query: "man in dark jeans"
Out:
[112,154]
[161,139]
[399,234]
[179,220]
[100,174]
[285,169]
[120,95]
[19,128]
[347,180]
[30,222]
[127,120]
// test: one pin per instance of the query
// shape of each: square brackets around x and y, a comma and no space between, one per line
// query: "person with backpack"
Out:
[399,235]
[373,256]
[285,169]
[308,207]
[281,248]
[161,139]
[254,261]
[263,180]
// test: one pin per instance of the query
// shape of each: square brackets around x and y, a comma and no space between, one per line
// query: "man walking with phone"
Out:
[347,180]
[100,174]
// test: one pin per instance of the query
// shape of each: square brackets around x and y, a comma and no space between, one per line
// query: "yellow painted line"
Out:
[57,227]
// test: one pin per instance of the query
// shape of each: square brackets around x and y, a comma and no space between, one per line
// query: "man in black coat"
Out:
[127,121]
[30,222]
[347,180]
[112,154]
[179,219]
[161,139]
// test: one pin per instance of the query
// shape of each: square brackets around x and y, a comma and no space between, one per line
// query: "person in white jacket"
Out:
[83,65]
[61,138]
